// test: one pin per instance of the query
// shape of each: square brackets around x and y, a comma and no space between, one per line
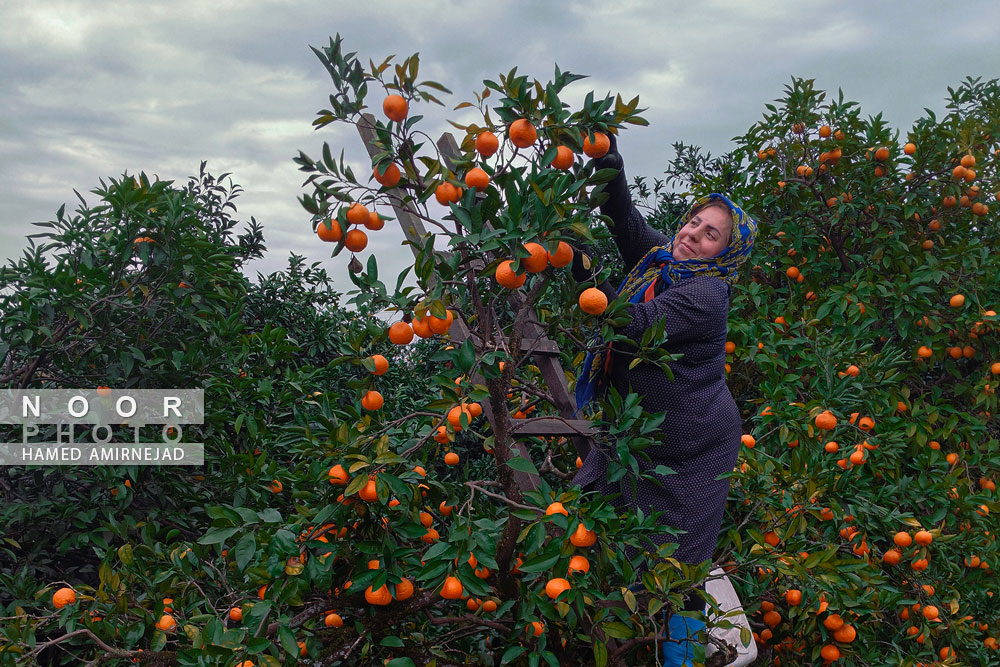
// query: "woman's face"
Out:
[704,236]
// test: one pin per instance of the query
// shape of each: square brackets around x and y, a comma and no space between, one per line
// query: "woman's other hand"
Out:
[585,265]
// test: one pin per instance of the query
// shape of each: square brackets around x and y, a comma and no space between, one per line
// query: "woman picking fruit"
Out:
[684,281]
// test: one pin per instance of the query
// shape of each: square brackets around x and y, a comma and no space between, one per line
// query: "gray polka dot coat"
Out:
[701,431]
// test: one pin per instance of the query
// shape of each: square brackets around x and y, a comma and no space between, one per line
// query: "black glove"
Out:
[585,264]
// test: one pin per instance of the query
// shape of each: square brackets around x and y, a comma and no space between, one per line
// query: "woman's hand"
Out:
[585,265]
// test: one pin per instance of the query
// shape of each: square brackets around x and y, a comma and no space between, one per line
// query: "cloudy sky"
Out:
[91,89]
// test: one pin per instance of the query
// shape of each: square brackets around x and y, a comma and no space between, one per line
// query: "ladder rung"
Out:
[548,426]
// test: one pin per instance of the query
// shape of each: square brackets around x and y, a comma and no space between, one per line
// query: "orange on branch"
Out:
[487,143]
[356,240]
[522,133]
[329,231]
[388,177]
[563,159]
[395,108]
[507,278]
[599,147]
[537,260]
[593,301]
[477,178]
[400,333]
[562,256]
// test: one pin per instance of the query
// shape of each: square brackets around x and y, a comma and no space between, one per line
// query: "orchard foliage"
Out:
[326,527]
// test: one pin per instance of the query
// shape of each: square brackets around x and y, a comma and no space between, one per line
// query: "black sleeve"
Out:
[696,309]
[633,236]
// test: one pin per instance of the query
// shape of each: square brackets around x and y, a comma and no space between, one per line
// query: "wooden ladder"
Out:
[544,352]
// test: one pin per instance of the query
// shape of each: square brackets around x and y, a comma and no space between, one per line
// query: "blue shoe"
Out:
[678,648]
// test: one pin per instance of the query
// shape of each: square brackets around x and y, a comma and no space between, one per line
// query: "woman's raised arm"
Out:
[633,236]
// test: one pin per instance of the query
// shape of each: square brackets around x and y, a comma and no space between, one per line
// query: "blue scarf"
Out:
[659,264]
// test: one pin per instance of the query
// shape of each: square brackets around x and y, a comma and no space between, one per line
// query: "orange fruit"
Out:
[507,278]
[593,301]
[430,536]
[535,628]
[924,352]
[261,591]
[477,178]
[772,618]
[957,301]
[441,325]
[846,634]
[923,538]
[792,272]
[582,537]
[882,154]
[329,231]
[826,420]
[562,256]
[968,161]
[930,612]
[748,440]
[451,458]
[910,148]
[380,597]
[490,605]
[400,333]
[275,486]
[63,597]
[455,416]
[487,143]
[395,108]
[600,146]
[422,327]
[447,193]
[357,214]
[825,131]
[236,614]
[555,586]
[522,133]
[793,597]
[356,240]
[333,621]
[563,159]
[404,590]
[556,508]
[374,222]
[537,260]
[381,364]
[372,401]
[892,556]
[902,539]
[830,653]
[389,177]
[452,589]
[338,476]
[368,492]
[833,622]
[166,623]
[579,564]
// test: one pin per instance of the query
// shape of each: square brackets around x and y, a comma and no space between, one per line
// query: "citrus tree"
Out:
[863,511]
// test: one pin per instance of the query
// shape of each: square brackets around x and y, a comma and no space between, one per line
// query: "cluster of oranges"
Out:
[355,240]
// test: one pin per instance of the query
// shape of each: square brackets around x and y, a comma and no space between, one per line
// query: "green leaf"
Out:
[288,642]
[245,550]
[522,465]
[511,654]
[391,641]
[218,535]
[400,662]
[600,653]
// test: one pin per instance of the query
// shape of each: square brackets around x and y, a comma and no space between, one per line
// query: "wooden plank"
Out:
[413,228]
[415,232]
[552,426]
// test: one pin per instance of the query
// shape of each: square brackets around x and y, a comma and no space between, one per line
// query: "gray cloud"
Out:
[93,89]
